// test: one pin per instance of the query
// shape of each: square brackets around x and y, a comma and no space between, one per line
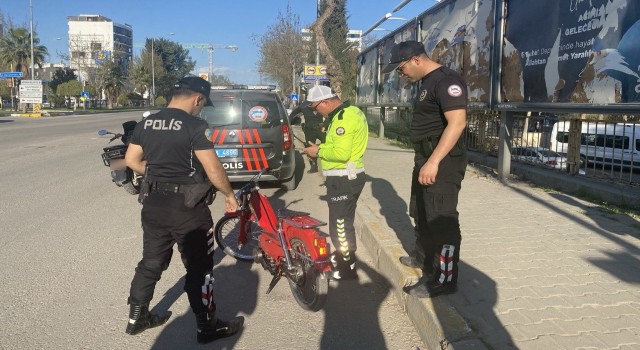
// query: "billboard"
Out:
[569,52]
[459,35]
[456,33]
[391,89]
[367,77]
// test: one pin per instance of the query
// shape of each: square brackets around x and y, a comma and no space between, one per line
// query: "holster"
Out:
[145,188]
[196,193]
[425,147]
[201,191]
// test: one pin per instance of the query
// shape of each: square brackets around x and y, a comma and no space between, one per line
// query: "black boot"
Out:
[344,270]
[211,328]
[141,319]
[313,166]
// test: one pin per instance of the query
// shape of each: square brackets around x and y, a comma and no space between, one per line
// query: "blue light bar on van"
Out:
[243,87]
[261,87]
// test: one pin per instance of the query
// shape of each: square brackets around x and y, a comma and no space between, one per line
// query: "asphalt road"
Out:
[70,241]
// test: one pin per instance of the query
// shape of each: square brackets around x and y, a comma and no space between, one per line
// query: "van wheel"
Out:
[583,161]
[290,184]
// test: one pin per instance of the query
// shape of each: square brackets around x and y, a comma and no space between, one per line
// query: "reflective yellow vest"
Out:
[346,140]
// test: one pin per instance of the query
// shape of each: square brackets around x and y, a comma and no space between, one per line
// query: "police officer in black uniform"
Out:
[439,119]
[174,150]
[313,128]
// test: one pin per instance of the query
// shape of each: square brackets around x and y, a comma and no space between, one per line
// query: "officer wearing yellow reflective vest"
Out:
[341,161]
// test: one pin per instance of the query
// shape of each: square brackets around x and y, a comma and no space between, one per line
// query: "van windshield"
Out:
[244,110]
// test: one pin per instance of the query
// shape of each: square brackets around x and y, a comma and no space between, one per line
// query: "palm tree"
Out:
[15,50]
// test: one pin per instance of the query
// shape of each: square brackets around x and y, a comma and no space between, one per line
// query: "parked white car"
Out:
[541,156]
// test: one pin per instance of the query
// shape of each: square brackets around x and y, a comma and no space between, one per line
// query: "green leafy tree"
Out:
[5,90]
[140,71]
[331,31]
[123,100]
[219,79]
[335,31]
[161,101]
[110,78]
[15,50]
[71,88]
[175,62]
[62,76]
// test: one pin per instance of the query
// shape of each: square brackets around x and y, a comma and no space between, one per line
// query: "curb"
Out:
[438,324]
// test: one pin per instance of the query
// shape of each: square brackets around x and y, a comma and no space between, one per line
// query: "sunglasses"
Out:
[314,107]
[401,66]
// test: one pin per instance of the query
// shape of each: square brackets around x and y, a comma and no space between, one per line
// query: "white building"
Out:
[94,39]
[353,36]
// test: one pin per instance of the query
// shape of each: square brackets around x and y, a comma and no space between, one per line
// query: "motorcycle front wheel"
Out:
[308,285]
[227,233]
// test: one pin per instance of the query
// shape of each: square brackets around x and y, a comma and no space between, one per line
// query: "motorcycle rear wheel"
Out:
[309,286]
[227,233]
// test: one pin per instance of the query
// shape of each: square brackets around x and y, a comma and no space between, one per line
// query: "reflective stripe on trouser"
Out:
[165,222]
[437,219]
[444,273]
[342,199]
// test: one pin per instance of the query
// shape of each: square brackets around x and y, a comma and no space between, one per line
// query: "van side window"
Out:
[562,136]
[637,144]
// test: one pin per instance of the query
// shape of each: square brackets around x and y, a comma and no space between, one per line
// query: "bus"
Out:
[601,143]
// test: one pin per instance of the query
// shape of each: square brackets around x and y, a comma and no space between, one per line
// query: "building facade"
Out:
[94,39]
[354,37]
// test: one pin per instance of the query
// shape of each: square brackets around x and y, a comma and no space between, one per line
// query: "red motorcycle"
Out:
[285,242]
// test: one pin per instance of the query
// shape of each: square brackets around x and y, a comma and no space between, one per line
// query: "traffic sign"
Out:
[85,94]
[294,97]
[6,75]
[31,91]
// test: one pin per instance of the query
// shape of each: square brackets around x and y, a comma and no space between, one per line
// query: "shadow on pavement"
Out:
[623,264]
[347,324]
[475,301]
[235,293]
[394,210]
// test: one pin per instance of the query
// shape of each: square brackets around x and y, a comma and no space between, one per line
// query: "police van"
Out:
[601,143]
[251,131]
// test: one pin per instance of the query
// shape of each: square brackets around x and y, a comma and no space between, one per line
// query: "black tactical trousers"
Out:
[437,224]
[166,221]
[342,197]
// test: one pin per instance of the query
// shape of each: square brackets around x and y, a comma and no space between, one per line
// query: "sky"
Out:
[214,22]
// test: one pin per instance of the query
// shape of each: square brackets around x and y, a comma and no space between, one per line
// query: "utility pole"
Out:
[153,75]
[318,6]
[31,24]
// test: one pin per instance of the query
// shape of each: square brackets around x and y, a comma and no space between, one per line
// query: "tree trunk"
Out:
[334,72]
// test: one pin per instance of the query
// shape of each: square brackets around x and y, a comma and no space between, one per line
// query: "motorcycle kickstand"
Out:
[274,281]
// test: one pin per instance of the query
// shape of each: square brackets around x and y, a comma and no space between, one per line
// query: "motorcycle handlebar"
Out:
[249,186]
[115,137]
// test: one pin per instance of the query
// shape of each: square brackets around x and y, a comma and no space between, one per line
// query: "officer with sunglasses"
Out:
[343,168]
[438,121]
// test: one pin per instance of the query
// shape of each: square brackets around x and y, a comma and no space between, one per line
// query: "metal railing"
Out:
[606,147]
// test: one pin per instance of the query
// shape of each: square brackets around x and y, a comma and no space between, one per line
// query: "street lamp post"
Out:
[31,24]
[153,75]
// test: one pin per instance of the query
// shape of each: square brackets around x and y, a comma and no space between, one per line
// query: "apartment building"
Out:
[93,39]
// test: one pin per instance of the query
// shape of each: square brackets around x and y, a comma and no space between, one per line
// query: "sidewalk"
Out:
[539,270]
